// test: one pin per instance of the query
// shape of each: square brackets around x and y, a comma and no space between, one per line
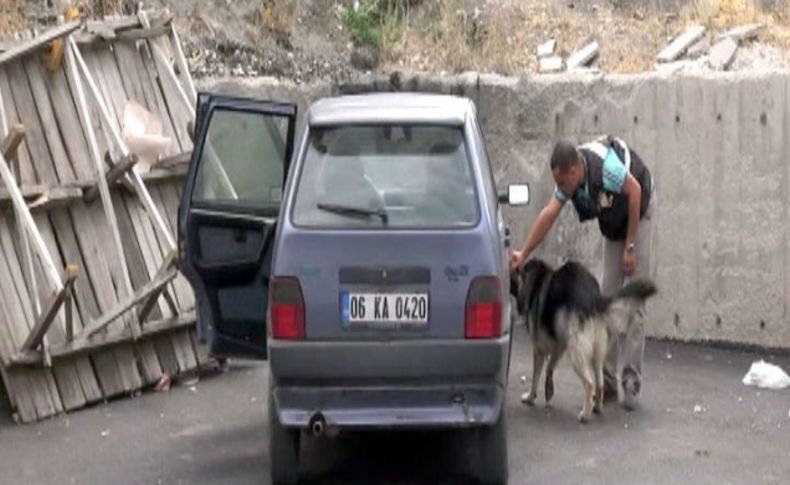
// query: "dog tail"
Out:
[639,289]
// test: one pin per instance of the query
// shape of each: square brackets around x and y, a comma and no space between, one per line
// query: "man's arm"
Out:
[633,191]
[538,231]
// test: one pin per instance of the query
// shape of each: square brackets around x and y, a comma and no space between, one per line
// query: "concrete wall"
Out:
[718,146]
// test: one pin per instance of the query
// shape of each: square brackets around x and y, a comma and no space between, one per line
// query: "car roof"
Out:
[378,108]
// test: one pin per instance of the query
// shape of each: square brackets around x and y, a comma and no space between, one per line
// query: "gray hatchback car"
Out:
[367,261]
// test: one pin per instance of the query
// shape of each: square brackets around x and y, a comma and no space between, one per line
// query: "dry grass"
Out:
[278,16]
[505,37]
[11,17]
[448,36]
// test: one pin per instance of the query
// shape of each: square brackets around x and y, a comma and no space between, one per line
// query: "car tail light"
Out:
[287,308]
[484,308]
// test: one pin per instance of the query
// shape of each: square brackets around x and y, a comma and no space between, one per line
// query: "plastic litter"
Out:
[142,132]
[766,376]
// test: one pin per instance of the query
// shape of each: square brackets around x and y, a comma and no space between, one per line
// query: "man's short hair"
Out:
[564,156]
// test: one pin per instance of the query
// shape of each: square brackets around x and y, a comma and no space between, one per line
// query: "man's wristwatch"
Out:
[630,247]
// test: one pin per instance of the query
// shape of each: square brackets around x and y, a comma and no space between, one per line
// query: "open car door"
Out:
[228,214]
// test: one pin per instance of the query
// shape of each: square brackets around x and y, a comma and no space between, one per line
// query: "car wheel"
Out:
[492,448]
[283,449]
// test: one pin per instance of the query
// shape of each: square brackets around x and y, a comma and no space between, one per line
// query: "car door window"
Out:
[242,160]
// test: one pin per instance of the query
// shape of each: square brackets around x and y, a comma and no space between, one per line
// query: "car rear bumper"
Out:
[425,383]
[414,361]
[393,407]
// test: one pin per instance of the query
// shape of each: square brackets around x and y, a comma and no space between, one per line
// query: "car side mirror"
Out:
[515,194]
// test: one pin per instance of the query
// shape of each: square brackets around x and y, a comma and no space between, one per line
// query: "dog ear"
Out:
[531,276]
[514,281]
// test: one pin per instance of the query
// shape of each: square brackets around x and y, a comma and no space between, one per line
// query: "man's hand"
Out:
[629,262]
[516,259]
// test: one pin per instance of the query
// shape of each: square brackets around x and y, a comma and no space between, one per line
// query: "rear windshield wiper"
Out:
[348,210]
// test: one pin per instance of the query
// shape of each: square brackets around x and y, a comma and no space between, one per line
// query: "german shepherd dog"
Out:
[564,309]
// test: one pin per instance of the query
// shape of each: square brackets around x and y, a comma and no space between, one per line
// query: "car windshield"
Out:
[388,176]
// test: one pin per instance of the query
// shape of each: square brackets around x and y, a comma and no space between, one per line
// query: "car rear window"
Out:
[386,176]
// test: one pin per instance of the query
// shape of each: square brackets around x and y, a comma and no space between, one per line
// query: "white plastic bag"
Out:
[766,376]
[143,134]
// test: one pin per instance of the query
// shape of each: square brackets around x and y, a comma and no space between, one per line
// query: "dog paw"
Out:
[583,418]
[528,398]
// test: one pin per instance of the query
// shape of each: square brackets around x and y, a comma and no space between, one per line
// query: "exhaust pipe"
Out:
[317,424]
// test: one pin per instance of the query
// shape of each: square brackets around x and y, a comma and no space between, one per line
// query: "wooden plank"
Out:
[152,365]
[148,304]
[138,88]
[165,70]
[103,341]
[43,39]
[169,191]
[123,23]
[202,352]
[52,307]
[13,139]
[41,248]
[181,62]
[176,161]
[122,307]
[68,376]
[120,24]
[148,244]
[26,110]
[157,245]
[19,386]
[171,199]
[103,188]
[680,43]
[38,381]
[68,304]
[124,55]
[141,224]
[36,385]
[153,90]
[179,112]
[4,128]
[29,192]
[96,34]
[165,175]
[112,176]
[80,128]
[56,198]
[142,191]
[37,229]
[41,196]
[25,174]
[133,35]
[124,356]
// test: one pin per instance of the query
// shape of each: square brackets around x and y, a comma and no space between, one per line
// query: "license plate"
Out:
[384,307]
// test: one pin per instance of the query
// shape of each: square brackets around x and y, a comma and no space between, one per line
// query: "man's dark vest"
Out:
[610,208]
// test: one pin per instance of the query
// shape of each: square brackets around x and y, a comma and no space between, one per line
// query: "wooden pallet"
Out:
[91,304]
